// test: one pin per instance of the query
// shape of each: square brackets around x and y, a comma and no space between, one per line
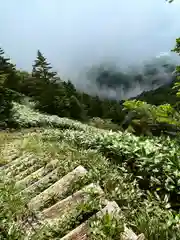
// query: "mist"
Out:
[78,35]
[109,80]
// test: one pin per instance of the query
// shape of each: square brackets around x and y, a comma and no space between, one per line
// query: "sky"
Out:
[76,34]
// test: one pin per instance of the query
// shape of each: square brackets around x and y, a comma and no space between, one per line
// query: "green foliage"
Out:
[161,113]
[11,208]
[3,78]
[8,77]
[25,117]
[177,84]
[150,119]
[77,111]
[153,161]
[142,211]
[5,108]
[8,80]
[107,227]
[155,222]
[104,124]
[41,69]
[5,65]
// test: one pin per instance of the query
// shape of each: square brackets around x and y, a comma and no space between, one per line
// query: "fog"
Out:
[76,35]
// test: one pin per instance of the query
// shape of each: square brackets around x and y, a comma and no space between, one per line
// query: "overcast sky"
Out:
[74,34]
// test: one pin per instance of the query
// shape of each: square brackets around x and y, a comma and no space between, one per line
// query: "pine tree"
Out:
[41,69]
[76,108]
[8,76]
[70,88]
[6,71]
[4,67]
[43,78]
[177,84]
[4,62]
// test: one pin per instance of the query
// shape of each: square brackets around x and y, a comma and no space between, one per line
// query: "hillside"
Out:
[66,155]
[45,180]
[117,83]
[51,95]
[162,95]
[139,175]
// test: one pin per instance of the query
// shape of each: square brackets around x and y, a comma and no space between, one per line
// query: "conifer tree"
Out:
[6,71]
[4,68]
[177,84]
[8,75]
[42,69]
[76,108]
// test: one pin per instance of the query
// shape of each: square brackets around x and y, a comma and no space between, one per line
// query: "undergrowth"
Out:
[141,174]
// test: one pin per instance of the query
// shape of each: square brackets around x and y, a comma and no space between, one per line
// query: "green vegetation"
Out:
[177,50]
[130,148]
[146,119]
[152,161]
[141,174]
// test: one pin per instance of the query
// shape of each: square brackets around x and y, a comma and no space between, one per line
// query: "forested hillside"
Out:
[52,95]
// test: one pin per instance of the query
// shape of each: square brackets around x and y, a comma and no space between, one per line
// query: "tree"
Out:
[177,84]
[70,89]
[41,69]
[177,50]
[5,107]
[5,65]
[76,108]
[43,77]
[7,71]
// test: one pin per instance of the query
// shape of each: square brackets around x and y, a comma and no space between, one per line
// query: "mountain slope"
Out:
[52,197]
[162,95]
[120,167]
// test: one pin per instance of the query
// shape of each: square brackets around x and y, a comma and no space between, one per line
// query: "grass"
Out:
[117,161]
[12,211]
[141,213]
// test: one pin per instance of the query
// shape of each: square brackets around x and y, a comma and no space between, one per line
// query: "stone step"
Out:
[81,232]
[7,162]
[41,184]
[128,234]
[81,196]
[16,160]
[57,189]
[22,165]
[36,176]
[28,171]
[10,152]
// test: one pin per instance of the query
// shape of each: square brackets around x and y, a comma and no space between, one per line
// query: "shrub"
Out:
[148,119]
